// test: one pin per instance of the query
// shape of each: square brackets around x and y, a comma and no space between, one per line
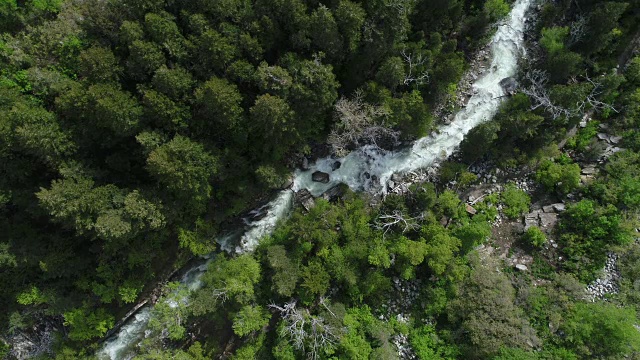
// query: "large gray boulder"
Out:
[509,85]
[320,176]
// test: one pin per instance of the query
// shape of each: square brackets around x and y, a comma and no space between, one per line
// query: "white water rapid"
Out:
[364,169]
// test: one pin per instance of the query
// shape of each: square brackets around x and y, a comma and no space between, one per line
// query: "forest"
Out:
[133,134]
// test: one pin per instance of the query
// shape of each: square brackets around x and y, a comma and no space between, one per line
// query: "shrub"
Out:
[516,200]
[562,178]
[535,236]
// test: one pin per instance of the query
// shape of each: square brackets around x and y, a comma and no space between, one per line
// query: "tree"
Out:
[324,32]
[496,9]
[250,319]
[441,249]
[186,169]
[286,271]
[479,141]
[633,71]
[214,52]
[315,279]
[312,94]
[588,230]
[272,124]
[535,236]
[563,178]
[86,324]
[230,280]
[603,20]
[410,115]
[39,133]
[161,110]
[218,104]
[350,17]
[516,200]
[162,29]
[486,314]
[200,240]
[312,334]
[98,64]
[176,82]
[448,204]
[168,316]
[602,330]
[428,345]
[144,59]
[391,73]
[359,124]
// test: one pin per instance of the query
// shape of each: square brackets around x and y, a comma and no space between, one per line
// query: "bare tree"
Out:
[359,124]
[413,61]
[308,333]
[539,93]
[387,221]
[578,29]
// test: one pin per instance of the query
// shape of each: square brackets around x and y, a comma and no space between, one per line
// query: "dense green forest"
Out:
[133,132]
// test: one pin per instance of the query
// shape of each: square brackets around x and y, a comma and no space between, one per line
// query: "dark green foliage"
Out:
[478,141]
[588,231]
[487,316]
[129,131]
[602,330]
[562,178]
[186,169]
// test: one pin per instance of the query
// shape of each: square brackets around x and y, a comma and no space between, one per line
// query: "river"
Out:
[359,167]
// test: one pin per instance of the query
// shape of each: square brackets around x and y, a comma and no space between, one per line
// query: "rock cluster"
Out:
[38,342]
[401,341]
[304,198]
[544,218]
[400,183]
[607,283]
[405,296]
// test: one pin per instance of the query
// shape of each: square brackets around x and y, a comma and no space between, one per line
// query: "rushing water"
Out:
[365,169]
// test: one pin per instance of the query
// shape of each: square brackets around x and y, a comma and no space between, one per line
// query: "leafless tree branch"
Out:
[539,93]
[578,29]
[308,333]
[386,222]
[359,124]
[413,61]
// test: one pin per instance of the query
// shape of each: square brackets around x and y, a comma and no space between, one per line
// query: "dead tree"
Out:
[539,94]
[386,222]
[358,124]
[578,30]
[413,61]
[308,333]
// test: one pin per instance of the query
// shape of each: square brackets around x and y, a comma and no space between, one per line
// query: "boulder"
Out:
[615,139]
[559,207]
[336,165]
[305,198]
[589,170]
[287,183]
[522,267]
[334,193]
[470,209]
[509,85]
[319,176]
[547,221]
[305,164]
